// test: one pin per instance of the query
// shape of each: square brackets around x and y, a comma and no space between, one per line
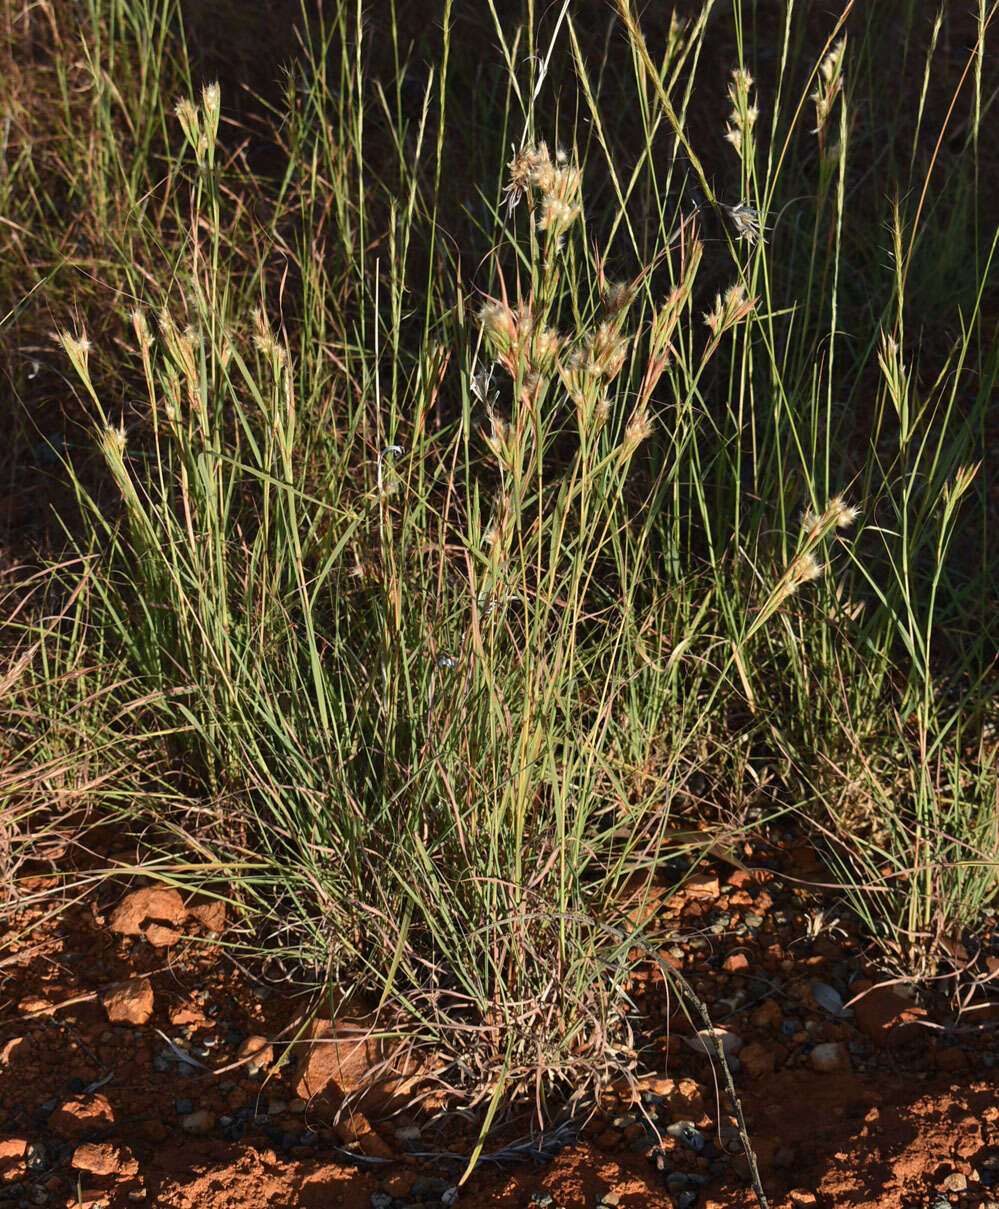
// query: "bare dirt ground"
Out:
[140,1063]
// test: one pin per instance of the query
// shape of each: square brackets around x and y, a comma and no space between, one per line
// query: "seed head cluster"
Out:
[742,120]
[729,309]
[828,87]
[553,183]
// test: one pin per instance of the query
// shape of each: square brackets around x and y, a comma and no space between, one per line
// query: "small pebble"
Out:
[36,1157]
[957,1181]
[542,1198]
[688,1133]
[183,1107]
[450,1196]
[830,1056]
[198,1123]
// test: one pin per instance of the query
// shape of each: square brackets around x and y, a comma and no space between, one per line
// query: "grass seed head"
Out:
[77,348]
[729,309]
[211,106]
[828,87]
[742,120]
[606,351]
[114,441]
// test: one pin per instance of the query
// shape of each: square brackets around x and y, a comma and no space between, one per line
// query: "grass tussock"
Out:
[472,469]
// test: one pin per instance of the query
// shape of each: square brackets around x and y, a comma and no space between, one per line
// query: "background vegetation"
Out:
[462,460]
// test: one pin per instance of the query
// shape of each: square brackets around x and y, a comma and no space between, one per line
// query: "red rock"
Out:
[85,1115]
[757,1060]
[186,1013]
[667,958]
[12,1152]
[703,885]
[354,1129]
[105,1158]
[801,1198]
[157,903]
[129,1002]
[886,1017]
[211,916]
[259,1051]
[160,937]
[337,1056]
[685,1097]
[736,963]
[610,1139]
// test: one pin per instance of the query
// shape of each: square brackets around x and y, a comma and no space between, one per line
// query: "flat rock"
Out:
[885,1016]
[83,1115]
[161,937]
[356,1130]
[12,1152]
[211,915]
[105,1158]
[703,885]
[129,1002]
[336,1057]
[157,904]
[186,1013]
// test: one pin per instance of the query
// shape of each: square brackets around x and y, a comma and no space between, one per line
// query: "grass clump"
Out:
[418,605]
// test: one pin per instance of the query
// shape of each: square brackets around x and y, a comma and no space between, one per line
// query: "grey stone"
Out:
[688,1133]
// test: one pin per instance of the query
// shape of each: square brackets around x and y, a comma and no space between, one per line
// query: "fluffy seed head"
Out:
[114,440]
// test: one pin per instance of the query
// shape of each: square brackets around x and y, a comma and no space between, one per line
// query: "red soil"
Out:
[887,1107]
